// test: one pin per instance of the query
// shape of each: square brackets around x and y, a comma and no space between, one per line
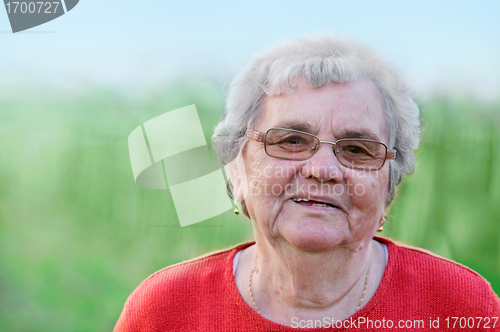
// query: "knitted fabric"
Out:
[201,295]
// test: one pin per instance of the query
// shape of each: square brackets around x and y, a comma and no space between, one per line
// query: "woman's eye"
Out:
[356,149]
[294,140]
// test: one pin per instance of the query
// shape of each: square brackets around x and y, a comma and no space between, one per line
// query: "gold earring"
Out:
[381,228]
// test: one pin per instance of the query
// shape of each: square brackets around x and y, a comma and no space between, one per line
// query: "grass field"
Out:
[77,235]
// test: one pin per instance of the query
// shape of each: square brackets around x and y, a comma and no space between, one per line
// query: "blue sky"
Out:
[438,46]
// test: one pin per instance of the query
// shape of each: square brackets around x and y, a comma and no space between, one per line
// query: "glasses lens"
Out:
[363,154]
[289,144]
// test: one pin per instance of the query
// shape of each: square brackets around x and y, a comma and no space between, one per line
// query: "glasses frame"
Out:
[261,137]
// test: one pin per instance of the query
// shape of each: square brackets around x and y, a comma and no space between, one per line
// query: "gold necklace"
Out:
[257,308]
[364,290]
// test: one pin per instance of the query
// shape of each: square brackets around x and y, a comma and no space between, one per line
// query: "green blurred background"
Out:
[77,235]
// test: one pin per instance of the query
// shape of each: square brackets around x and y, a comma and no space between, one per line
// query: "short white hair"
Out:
[321,60]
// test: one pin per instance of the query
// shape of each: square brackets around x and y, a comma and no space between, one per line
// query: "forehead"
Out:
[350,109]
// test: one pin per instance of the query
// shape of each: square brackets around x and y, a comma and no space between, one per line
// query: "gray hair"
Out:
[321,60]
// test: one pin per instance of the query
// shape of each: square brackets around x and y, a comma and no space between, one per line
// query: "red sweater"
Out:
[417,288]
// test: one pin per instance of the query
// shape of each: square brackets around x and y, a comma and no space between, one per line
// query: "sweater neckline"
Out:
[379,295]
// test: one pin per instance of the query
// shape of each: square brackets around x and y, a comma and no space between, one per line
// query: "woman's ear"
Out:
[238,177]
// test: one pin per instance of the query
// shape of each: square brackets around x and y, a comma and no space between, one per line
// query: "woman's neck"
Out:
[290,283]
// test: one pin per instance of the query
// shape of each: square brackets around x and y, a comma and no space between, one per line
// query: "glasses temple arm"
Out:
[391,154]
[256,135]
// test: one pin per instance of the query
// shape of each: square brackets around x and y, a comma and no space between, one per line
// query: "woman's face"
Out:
[355,198]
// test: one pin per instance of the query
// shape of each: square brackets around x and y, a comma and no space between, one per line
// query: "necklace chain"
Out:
[364,291]
[257,308]
[250,285]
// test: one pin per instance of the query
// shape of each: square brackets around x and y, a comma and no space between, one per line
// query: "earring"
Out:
[381,228]
[236,211]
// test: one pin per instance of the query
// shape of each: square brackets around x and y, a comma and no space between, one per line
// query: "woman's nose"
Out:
[323,165]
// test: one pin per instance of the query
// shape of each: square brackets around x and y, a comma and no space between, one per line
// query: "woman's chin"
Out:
[313,236]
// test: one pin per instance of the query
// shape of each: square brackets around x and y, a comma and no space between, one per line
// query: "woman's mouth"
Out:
[311,202]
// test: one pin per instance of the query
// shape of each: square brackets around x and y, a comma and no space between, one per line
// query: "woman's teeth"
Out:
[319,204]
[295,199]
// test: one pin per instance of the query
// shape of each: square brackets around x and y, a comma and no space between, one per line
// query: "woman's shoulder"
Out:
[438,280]
[191,273]
[177,290]
[426,263]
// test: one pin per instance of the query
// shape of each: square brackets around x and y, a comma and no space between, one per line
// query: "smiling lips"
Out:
[310,202]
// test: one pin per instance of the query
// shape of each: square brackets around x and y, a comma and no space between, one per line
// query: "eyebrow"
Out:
[296,126]
[366,134]
[305,127]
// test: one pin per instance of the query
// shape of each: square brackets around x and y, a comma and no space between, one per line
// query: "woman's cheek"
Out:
[369,195]
[255,170]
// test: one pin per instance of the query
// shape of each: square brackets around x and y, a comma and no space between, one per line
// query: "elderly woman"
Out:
[317,134]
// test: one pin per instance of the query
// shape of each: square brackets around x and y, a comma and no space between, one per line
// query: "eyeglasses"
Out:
[357,153]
